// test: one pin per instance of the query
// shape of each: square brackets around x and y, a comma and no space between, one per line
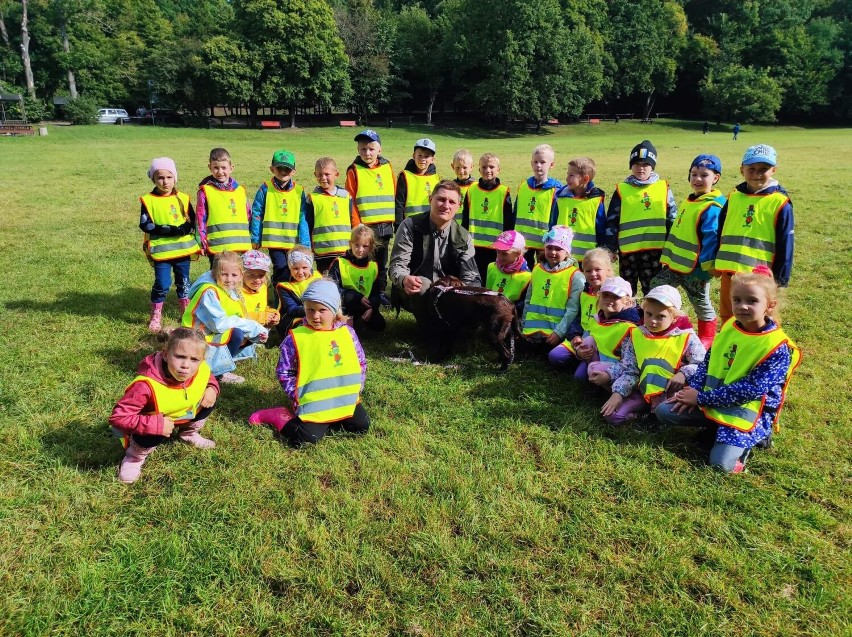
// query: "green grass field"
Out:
[479,504]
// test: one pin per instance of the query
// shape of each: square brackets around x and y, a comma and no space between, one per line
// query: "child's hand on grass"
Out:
[611,405]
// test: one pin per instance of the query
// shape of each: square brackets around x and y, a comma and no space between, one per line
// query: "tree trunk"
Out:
[433,94]
[293,115]
[649,105]
[66,46]
[25,50]
[4,35]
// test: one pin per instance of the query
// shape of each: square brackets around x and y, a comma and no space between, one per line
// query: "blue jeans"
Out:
[280,269]
[235,343]
[163,279]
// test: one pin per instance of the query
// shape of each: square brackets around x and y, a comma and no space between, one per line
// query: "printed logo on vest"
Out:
[501,286]
[680,218]
[485,206]
[380,184]
[232,206]
[748,216]
[532,205]
[335,352]
[590,313]
[335,209]
[173,212]
[360,284]
[573,220]
[284,207]
[428,188]
[546,288]
[646,200]
[731,354]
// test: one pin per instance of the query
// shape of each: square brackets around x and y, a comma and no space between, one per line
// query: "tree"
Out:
[737,93]
[25,50]
[418,55]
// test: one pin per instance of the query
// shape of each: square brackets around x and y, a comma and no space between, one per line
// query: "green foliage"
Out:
[742,94]
[83,110]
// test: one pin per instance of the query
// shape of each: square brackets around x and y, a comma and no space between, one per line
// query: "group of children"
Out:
[551,251]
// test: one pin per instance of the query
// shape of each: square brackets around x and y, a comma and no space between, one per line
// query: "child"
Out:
[742,383]
[356,274]
[322,370]
[256,267]
[756,225]
[487,211]
[580,206]
[370,183]
[219,211]
[656,360]
[641,212]
[553,297]
[415,183]
[534,201]
[173,389]
[692,243]
[509,274]
[328,211]
[463,167]
[301,263]
[218,309]
[617,316]
[278,214]
[167,219]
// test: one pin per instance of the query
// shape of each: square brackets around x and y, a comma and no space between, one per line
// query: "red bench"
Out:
[594,120]
[351,123]
[270,123]
[553,122]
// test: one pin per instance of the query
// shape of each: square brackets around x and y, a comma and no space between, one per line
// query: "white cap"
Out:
[426,143]
[667,295]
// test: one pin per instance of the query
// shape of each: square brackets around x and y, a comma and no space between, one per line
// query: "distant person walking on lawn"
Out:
[736,129]
[706,128]
[167,219]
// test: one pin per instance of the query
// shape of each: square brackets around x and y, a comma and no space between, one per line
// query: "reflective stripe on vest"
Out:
[533,213]
[550,292]
[359,279]
[465,188]
[682,248]
[256,304]
[579,214]
[180,403]
[227,223]
[328,382]
[281,217]
[332,224]
[374,197]
[231,307]
[734,355]
[485,214]
[747,239]
[297,287]
[643,216]
[512,286]
[418,190]
[172,210]
[658,358]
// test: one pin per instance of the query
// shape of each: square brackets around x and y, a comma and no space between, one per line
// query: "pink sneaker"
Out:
[275,417]
[229,378]
[739,467]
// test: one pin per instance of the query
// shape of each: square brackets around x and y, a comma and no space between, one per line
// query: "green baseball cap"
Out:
[284,158]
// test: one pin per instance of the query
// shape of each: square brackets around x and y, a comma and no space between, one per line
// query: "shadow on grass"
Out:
[87,446]
[128,304]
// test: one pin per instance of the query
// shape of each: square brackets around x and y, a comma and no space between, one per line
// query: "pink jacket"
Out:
[129,415]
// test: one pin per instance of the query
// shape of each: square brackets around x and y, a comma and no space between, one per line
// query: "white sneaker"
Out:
[230,378]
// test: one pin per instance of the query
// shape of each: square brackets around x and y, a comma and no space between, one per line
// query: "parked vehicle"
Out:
[112,115]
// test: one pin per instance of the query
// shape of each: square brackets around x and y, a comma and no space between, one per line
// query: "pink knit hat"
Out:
[162,163]
[560,236]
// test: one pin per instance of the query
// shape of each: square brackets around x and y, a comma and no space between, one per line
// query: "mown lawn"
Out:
[479,504]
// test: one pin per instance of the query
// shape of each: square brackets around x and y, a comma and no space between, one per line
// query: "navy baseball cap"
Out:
[369,135]
[707,161]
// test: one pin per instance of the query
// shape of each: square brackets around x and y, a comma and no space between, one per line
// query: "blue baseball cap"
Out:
[426,143]
[760,154]
[707,161]
[368,134]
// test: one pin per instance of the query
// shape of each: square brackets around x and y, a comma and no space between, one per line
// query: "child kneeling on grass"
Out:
[322,370]
[174,389]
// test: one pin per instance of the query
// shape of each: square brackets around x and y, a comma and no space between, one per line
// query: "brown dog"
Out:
[455,306]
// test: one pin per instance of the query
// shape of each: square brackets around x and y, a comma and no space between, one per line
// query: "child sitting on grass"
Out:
[300,260]
[509,274]
[356,274]
[257,266]
[173,389]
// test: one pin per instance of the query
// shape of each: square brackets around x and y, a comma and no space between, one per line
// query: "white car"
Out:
[111,115]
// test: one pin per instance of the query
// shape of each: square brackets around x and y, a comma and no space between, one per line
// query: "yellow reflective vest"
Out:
[227,223]
[328,383]
[169,210]
[465,188]
[658,358]
[418,190]
[297,287]
[549,294]
[359,279]
[281,215]
[533,206]
[485,214]
[256,304]
[608,337]
[747,239]
[513,286]
[231,307]
[181,403]
[332,223]
[580,215]
[734,355]
[643,216]
[374,198]
[683,245]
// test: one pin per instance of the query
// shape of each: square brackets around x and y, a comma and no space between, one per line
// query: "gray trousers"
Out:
[697,290]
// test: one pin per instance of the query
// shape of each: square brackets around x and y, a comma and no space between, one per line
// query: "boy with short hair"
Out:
[370,184]
[415,183]
[463,167]
[580,206]
[278,214]
[219,209]
[487,211]
[534,201]
[328,211]
[641,212]
[756,225]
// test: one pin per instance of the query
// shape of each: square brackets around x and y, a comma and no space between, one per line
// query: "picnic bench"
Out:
[553,122]
[594,120]
[11,127]
[270,123]
[349,123]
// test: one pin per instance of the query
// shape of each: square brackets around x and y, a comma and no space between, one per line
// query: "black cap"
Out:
[644,152]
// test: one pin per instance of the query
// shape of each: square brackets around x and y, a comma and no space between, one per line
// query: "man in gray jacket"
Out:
[430,246]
